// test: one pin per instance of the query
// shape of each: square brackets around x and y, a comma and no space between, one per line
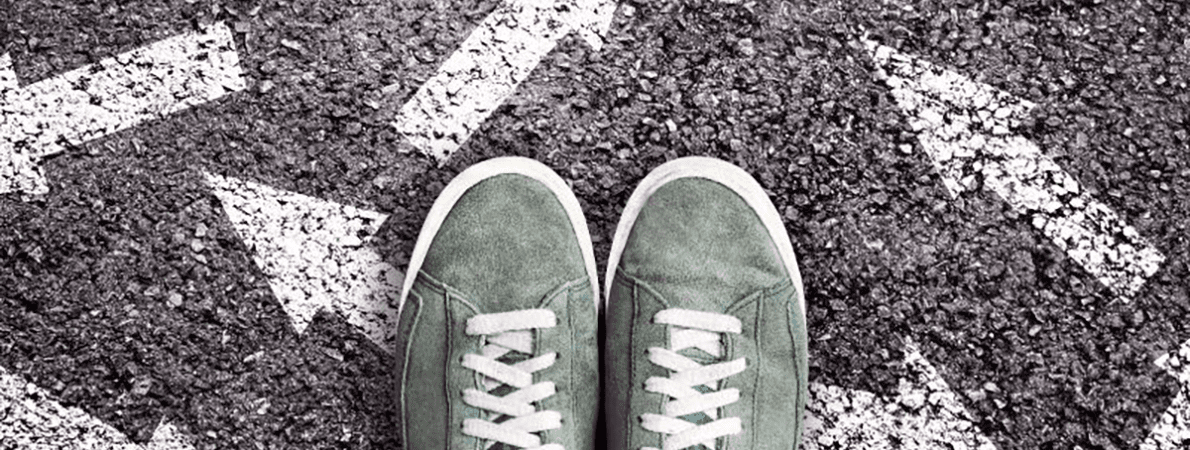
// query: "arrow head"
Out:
[917,83]
[316,255]
[955,117]
[967,129]
[114,94]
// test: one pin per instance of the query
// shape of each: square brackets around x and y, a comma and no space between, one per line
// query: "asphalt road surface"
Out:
[137,295]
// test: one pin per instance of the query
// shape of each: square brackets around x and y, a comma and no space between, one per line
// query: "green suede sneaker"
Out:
[497,343]
[706,331]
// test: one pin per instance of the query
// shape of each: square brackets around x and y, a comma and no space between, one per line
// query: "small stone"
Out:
[253,357]
[747,47]
[976,395]
[174,300]
[913,400]
[142,386]
[292,45]
[334,354]
[201,230]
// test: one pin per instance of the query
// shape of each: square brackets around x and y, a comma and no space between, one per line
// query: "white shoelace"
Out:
[513,418]
[701,330]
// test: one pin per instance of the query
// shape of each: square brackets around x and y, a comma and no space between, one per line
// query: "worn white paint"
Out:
[1172,432]
[8,76]
[112,95]
[966,126]
[316,255]
[498,55]
[924,415]
[31,419]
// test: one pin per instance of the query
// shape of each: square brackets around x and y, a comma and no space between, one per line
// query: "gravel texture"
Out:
[108,305]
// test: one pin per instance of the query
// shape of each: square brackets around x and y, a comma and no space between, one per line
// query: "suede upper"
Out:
[698,241]
[506,245]
[508,242]
[696,244]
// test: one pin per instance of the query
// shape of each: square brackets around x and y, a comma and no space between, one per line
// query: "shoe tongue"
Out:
[699,418]
[699,356]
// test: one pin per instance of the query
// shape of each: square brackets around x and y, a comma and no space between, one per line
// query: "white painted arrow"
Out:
[965,126]
[112,95]
[31,419]
[924,415]
[316,255]
[1173,431]
[490,64]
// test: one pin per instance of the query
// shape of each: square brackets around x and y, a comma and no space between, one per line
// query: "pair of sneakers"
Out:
[701,327]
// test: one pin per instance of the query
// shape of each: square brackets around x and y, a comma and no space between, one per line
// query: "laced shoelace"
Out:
[513,419]
[700,330]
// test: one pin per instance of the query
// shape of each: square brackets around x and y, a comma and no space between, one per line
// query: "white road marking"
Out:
[316,255]
[925,414]
[116,93]
[1173,431]
[31,419]
[8,76]
[965,126]
[490,64]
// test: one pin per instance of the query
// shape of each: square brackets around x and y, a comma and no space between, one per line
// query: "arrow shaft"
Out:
[1088,231]
[122,91]
[476,79]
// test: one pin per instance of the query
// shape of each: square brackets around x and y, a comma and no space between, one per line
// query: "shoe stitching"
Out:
[800,400]
[759,360]
[629,430]
[405,365]
[448,365]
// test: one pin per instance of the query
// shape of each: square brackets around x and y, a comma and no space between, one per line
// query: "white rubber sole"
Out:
[722,172]
[487,169]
